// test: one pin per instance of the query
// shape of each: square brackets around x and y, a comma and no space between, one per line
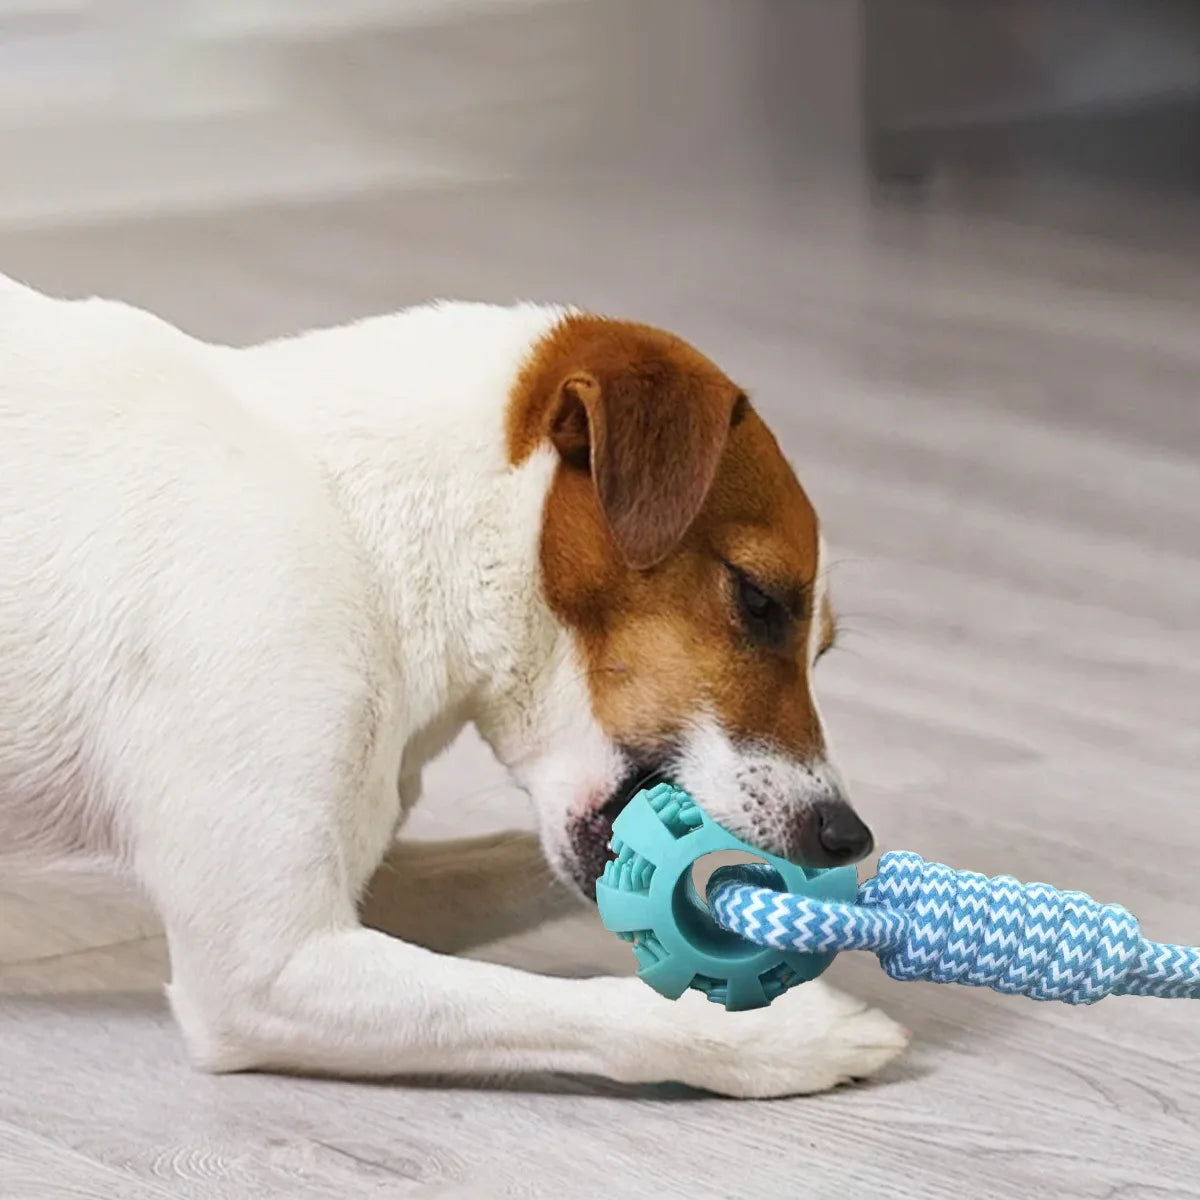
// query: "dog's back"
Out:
[140,507]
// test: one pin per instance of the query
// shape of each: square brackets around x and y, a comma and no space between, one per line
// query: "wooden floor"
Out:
[1000,421]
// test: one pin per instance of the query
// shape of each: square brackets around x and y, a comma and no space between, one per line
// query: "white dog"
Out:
[245,595]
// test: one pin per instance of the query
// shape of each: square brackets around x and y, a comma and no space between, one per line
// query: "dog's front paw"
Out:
[810,1040]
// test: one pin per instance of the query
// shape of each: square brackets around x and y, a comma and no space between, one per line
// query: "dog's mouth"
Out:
[591,833]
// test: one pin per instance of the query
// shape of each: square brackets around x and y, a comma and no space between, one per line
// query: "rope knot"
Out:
[1029,939]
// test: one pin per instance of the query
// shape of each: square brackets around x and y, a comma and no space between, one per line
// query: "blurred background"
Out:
[112,107]
[953,251]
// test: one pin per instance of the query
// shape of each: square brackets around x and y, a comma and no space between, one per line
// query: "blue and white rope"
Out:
[929,921]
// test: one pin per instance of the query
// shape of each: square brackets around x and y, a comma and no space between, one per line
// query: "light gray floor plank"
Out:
[1001,426]
[33,1166]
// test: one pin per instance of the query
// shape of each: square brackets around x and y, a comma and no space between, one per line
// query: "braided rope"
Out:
[928,921]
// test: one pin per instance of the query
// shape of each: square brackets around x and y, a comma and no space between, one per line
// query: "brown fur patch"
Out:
[829,627]
[649,413]
[668,475]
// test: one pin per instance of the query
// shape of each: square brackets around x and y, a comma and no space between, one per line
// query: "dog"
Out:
[247,594]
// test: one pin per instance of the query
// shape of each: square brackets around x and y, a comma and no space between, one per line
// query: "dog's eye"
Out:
[764,618]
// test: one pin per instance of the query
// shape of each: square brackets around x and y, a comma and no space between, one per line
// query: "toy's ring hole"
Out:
[690,909]
[706,864]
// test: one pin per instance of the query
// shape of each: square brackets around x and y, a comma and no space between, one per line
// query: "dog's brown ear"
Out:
[653,437]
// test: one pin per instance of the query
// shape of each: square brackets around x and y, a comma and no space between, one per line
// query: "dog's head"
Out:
[681,562]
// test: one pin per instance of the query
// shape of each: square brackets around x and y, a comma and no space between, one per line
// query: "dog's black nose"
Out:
[841,835]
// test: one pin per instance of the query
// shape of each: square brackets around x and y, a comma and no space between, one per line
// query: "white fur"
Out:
[244,596]
[758,793]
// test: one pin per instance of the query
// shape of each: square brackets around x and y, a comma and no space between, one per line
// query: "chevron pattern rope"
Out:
[929,921]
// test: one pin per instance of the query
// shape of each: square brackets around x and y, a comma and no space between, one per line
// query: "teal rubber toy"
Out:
[772,925]
[646,896]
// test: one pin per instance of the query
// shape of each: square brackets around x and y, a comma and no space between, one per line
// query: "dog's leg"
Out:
[256,848]
[352,1000]
[455,895]
[271,970]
